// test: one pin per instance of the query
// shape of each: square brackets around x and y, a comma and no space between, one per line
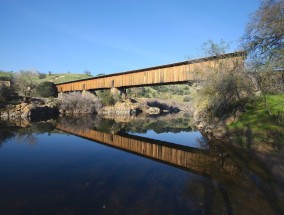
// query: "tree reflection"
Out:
[25,134]
[174,123]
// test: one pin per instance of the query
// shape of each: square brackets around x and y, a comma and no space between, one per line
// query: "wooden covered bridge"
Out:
[180,72]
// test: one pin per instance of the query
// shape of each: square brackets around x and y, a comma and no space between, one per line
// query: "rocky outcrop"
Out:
[29,110]
[215,127]
[153,111]
[122,108]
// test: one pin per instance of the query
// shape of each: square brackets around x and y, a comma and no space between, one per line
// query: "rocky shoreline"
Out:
[44,108]
[29,110]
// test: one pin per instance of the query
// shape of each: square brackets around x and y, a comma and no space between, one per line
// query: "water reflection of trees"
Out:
[174,123]
[5,133]
[27,133]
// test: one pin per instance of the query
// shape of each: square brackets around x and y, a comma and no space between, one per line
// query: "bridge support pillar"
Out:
[118,91]
[60,95]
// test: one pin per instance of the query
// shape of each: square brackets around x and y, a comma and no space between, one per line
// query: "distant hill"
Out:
[56,78]
[64,77]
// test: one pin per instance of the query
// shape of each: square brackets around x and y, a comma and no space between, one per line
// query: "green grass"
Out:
[257,129]
[60,78]
[56,78]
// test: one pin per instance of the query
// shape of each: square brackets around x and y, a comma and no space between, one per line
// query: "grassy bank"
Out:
[258,130]
[60,78]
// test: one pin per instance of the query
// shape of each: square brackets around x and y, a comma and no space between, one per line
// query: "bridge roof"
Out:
[239,53]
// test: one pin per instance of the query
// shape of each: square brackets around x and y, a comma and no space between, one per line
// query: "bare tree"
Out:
[264,35]
[25,82]
[224,87]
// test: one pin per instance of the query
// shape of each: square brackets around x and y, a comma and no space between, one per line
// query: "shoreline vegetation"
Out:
[252,129]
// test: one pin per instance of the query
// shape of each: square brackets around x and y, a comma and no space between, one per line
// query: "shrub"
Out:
[46,89]
[4,93]
[222,91]
[77,102]
[106,97]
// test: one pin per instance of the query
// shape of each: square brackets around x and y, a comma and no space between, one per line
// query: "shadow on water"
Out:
[226,180]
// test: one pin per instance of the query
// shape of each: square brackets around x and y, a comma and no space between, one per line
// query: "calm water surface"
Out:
[95,166]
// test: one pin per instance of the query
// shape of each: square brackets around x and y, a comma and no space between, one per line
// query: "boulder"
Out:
[153,111]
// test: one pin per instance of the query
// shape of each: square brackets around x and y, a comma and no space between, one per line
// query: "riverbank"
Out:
[254,132]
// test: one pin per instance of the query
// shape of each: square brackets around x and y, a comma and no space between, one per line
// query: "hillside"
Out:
[64,77]
[40,77]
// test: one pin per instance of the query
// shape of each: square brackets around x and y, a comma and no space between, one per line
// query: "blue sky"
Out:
[114,35]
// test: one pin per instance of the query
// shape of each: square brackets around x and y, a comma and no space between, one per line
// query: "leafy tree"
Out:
[46,89]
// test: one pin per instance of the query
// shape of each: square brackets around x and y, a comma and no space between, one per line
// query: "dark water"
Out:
[144,166]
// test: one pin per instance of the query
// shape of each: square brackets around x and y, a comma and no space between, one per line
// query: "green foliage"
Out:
[6,76]
[5,93]
[174,91]
[267,130]
[106,97]
[46,89]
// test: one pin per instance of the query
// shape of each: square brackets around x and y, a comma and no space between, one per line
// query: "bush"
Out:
[106,97]
[223,91]
[46,89]
[76,102]
[4,93]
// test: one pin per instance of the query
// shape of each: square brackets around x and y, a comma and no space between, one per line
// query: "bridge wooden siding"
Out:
[171,73]
[184,157]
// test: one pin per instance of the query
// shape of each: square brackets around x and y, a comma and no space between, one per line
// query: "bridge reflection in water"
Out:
[214,163]
[185,157]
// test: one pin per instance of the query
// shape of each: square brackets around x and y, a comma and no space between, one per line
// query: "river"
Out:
[142,165]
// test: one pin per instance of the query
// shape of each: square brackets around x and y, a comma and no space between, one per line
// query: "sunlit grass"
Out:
[60,78]
[262,127]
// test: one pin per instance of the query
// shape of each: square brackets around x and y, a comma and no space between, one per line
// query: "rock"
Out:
[153,111]
[201,125]
[26,112]
[23,105]
[18,107]
[4,115]
[230,120]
